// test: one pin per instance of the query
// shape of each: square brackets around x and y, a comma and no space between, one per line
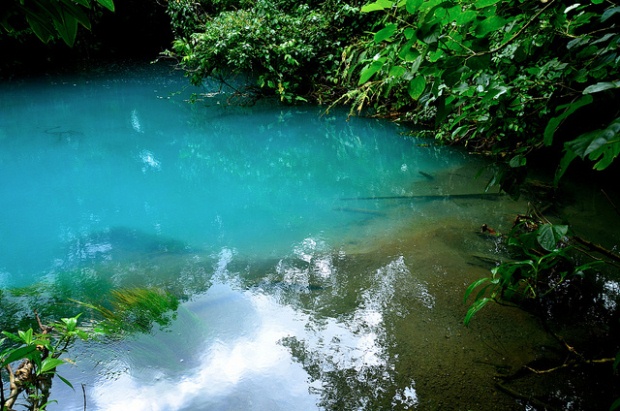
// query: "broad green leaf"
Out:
[549,235]
[416,87]
[413,6]
[370,70]
[385,33]
[17,355]
[376,6]
[49,364]
[555,122]
[609,13]
[598,144]
[595,88]
[408,53]
[466,17]
[26,336]
[71,323]
[67,28]
[489,25]
[518,161]
[597,1]
[108,4]
[397,71]
[42,31]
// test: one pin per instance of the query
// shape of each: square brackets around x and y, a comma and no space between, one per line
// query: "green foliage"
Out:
[495,75]
[38,356]
[49,19]
[544,263]
[290,48]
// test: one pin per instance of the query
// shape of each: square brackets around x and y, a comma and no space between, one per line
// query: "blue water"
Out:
[87,155]
[288,234]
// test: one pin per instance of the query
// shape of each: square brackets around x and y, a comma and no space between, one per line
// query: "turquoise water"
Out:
[80,156]
[308,274]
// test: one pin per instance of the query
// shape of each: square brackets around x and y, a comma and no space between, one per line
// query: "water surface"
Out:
[315,263]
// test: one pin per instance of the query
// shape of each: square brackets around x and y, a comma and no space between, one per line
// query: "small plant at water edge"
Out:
[37,355]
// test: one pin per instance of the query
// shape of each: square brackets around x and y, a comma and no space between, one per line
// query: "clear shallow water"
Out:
[307,276]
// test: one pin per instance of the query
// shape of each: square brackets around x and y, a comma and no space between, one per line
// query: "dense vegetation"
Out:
[504,77]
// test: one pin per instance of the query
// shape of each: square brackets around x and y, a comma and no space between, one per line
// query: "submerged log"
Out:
[360,211]
[431,197]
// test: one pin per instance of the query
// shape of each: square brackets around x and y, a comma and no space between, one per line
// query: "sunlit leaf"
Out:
[49,364]
[413,6]
[376,6]
[370,70]
[397,71]
[18,354]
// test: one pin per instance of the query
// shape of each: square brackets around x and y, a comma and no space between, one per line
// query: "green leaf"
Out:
[549,235]
[26,336]
[370,70]
[67,28]
[595,144]
[517,161]
[385,33]
[595,88]
[71,323]
[473,286]
[39,29]
[49,364]
[108,4]
[376,6]
[597,1]
[66,381]
[18,354]
[489,25]
[416,87]
[569,109]
[413,6]
[397,71]
[474,308]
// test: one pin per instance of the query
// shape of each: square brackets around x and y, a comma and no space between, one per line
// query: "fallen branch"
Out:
[598,248]
[479,196]
[611,202]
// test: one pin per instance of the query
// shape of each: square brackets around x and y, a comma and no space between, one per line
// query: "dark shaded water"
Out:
[311,260]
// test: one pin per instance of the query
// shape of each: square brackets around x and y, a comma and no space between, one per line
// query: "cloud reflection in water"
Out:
[240,355]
